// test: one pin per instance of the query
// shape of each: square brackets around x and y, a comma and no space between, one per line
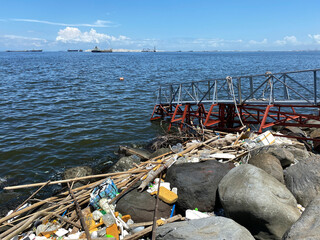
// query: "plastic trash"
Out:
[137,229]
[205,153]
[177,148]
[108,220]
[106,189]
[166,195]
[108,208]
[113,231]
[265,138]
[61,232]
[175,190]
[97,215]
[193,214]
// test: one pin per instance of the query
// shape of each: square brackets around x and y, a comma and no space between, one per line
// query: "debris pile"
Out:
[95,211]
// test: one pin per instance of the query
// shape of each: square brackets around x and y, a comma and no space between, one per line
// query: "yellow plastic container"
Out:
[166,195]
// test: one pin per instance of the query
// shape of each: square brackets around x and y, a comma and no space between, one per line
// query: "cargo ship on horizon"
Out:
[33,50]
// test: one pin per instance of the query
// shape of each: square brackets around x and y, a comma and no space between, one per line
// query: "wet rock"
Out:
[160,152]
[268,163]
[296,132]
[76,172]
[140,205]
[212,228]
[308,225]
[124,164]
[258,201]
[197,183]
[143,154]
[303,180]
[284,155]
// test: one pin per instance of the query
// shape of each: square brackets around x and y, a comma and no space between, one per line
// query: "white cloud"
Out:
[254,42]
[315,37]
[98,23]
[71,34]
[287,40]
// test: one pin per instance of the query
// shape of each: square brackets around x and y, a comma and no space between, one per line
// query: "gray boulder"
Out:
[303,180]
[197,183]
[159,152]
[80,171]
[281,152]
[268,163]
[140,205]
[212,228]
[124,164]
[258,202]
[308,225]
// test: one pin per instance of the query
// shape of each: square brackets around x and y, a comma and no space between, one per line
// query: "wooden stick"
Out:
[154,225]
[32,195]
[25,210]
[128,188]
[20,228]
[78,209]
[69,180]
[142,224]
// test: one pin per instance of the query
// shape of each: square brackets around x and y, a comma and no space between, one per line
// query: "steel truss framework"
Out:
[284,99]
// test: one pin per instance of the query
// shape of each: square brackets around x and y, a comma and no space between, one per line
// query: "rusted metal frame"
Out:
[209,114]
[154,109]
[256,90]
[293,90]
[253,115]
[284,114]
[264,117]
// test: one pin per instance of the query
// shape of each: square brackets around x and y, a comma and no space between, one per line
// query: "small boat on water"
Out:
[75,50]
[33,50]
[97,50]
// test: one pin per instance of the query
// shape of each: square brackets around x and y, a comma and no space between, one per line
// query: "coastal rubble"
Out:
[232,181]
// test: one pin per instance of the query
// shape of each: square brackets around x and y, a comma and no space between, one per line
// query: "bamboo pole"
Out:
[69,180]
[78,209]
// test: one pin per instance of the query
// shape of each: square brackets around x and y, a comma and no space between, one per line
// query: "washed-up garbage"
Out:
[106,189]
[194,214]
[265,138]
[61,232]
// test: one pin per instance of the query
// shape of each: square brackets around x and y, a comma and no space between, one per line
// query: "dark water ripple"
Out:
[61,109]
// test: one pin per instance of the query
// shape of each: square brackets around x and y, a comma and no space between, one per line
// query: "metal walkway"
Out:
[265,100]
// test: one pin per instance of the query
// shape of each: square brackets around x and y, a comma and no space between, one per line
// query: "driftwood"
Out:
[78,209]
[68,180]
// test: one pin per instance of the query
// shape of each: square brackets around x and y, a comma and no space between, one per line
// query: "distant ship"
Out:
[97,50]
[75,50]
[149,50]
[34,50]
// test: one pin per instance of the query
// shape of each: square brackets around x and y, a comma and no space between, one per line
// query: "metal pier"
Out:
[265,100]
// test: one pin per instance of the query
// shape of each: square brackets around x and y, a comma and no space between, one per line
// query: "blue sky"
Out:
[167,24]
